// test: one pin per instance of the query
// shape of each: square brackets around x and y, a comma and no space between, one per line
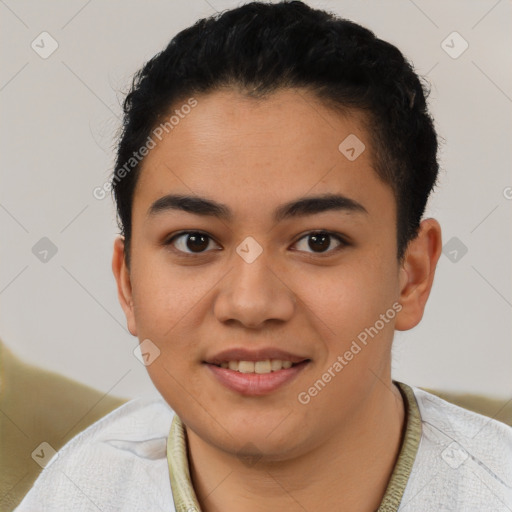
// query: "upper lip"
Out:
[262,354]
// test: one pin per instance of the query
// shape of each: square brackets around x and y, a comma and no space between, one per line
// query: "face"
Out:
[258,276]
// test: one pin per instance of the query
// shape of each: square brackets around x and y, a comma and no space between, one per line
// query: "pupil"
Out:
[322,239]
[197,241]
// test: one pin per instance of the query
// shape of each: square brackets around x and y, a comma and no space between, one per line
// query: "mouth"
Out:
[256,378]
[259,367]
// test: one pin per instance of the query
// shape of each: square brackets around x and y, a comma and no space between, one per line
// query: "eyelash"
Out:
[342,242]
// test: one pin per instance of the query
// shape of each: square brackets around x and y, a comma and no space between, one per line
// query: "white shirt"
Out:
[463,463]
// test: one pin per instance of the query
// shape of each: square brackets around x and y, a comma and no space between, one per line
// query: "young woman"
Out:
[271,179]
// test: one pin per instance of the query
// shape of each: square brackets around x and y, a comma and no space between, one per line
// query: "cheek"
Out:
[347,306]
[162,293]
[171,304]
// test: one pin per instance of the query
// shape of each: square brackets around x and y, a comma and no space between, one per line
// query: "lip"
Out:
[254,384]
[262,354]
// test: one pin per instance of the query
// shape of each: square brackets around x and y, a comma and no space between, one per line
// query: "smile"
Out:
[256,378]
[260,367]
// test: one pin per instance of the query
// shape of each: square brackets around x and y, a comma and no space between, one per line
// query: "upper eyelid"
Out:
[339,237]
[169,239]
[173,238]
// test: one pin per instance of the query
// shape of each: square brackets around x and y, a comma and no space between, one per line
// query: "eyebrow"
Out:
[297,208]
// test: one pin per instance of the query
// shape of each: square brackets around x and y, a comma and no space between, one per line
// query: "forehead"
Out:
[258,151]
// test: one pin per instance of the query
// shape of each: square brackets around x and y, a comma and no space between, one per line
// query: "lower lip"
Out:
[255,384]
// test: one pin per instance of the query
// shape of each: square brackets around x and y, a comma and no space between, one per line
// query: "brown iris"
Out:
[197,242]
[319,241]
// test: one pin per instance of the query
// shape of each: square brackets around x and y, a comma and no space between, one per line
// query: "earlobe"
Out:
[417,274]
[124,286]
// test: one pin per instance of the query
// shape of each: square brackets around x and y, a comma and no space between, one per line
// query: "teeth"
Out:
[276,364]
[260,367]
[246,367]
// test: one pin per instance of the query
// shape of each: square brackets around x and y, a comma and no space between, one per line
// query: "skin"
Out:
[253,156]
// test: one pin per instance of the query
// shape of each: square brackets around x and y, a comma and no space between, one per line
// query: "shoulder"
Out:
[464,459]
[108,464]
[452,418]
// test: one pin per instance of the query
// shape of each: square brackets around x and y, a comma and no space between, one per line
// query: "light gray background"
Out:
[59,117]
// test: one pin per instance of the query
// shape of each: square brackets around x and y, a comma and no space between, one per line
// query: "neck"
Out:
[352,467]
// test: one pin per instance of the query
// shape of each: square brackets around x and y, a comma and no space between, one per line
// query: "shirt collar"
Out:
[185,499]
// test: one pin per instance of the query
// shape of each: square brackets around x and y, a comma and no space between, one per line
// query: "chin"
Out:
[272,442]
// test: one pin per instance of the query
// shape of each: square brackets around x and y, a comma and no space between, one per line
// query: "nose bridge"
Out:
[253,292]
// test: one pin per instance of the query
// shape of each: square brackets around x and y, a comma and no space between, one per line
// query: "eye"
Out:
[197,242]
[320,242]
[190,242]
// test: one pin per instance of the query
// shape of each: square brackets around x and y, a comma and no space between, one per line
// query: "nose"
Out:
[254,294]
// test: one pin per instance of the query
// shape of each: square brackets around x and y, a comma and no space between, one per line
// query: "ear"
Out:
[124,285]
[417,274]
